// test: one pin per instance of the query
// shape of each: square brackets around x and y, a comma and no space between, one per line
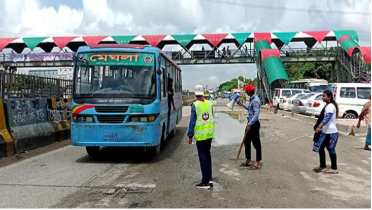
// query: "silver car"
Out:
[290,101]
[299,104]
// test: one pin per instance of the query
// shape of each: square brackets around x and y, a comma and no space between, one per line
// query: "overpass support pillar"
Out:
[333,71]
[339,73]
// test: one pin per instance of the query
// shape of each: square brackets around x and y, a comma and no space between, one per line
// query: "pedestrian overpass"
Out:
[267,50]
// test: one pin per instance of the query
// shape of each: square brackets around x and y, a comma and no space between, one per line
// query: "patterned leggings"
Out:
[332,152]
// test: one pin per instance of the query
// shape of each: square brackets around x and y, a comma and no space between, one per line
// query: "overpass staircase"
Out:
[355,66]
[264,89]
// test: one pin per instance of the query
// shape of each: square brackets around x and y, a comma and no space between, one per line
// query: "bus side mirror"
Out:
[159,72]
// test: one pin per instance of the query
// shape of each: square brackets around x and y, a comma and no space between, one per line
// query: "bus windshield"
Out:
[115,81]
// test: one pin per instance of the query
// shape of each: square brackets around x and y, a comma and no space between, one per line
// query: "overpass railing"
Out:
[175,55]
[27,86]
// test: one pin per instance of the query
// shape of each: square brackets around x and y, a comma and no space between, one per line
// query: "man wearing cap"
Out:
[252,128]
[201,127]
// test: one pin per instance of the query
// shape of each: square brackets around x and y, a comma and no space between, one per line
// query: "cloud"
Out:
[116,17]
[212,79]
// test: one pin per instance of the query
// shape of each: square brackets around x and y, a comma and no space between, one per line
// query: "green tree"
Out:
[319,70]
[227,86]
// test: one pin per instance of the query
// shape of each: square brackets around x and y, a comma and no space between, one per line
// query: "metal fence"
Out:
[26,86]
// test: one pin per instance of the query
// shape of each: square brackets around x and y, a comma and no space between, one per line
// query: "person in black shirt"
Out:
[170,95]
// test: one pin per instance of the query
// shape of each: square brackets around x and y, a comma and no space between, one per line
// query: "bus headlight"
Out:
[134,119]
[83,118]
[149,118]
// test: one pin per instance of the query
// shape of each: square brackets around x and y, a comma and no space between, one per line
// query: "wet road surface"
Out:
[125,178]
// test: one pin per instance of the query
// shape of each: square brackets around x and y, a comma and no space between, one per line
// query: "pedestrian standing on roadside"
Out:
[171,95]
[328,135]
[366,115]
[252,129]
[201,127]
[271,107]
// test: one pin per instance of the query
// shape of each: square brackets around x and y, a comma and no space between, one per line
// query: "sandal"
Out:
[319,169]
[245,164]
[253,167]
[331,171]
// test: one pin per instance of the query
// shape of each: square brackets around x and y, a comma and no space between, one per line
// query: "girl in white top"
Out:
[329,135]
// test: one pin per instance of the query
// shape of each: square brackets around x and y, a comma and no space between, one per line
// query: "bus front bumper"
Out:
[120,135]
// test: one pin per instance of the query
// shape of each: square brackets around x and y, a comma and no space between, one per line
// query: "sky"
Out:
[127,17]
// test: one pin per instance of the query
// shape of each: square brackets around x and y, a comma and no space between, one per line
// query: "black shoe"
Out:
[203,186]
[211,183]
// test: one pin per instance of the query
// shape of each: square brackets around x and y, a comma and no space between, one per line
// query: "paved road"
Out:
[122,178]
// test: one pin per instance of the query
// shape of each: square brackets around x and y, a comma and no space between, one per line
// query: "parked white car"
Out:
[350,98]
[289,105]
[315,105]
[283,93]
[299,104]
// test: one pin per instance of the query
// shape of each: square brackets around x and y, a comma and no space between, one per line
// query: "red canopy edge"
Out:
[262,36]
[318,35]
[215,39]
[5,41]
[93,40]
[154,40]
[265,53]
[342,38]
[61,42]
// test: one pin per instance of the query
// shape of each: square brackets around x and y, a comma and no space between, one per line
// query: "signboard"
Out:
[136,109]
[117,59]
[41,57]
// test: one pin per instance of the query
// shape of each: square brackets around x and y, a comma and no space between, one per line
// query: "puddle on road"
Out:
[229,128]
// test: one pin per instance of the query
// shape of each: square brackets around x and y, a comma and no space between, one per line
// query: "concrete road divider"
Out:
[188,98]
[6,140]
[59,115]
[27,121]
[343,127]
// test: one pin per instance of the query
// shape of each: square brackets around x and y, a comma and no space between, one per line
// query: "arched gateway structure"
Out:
[268,50]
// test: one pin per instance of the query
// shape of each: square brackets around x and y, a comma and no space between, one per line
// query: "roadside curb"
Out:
[347,130]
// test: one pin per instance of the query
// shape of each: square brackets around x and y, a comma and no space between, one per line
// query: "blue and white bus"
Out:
[120,97]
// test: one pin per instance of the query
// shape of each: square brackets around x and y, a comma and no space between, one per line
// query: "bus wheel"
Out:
[154,151]
[92,151]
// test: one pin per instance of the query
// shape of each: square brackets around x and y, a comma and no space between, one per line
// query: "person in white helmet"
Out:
[201,127]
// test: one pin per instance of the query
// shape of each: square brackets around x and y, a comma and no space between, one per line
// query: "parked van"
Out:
[280,94]
[350,98]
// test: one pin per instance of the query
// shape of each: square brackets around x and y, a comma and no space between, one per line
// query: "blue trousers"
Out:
[205,159]
[368,138]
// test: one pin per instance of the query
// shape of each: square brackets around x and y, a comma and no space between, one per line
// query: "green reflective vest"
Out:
[204,126]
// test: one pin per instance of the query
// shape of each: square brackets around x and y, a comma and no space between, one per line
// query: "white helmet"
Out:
[199,90]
